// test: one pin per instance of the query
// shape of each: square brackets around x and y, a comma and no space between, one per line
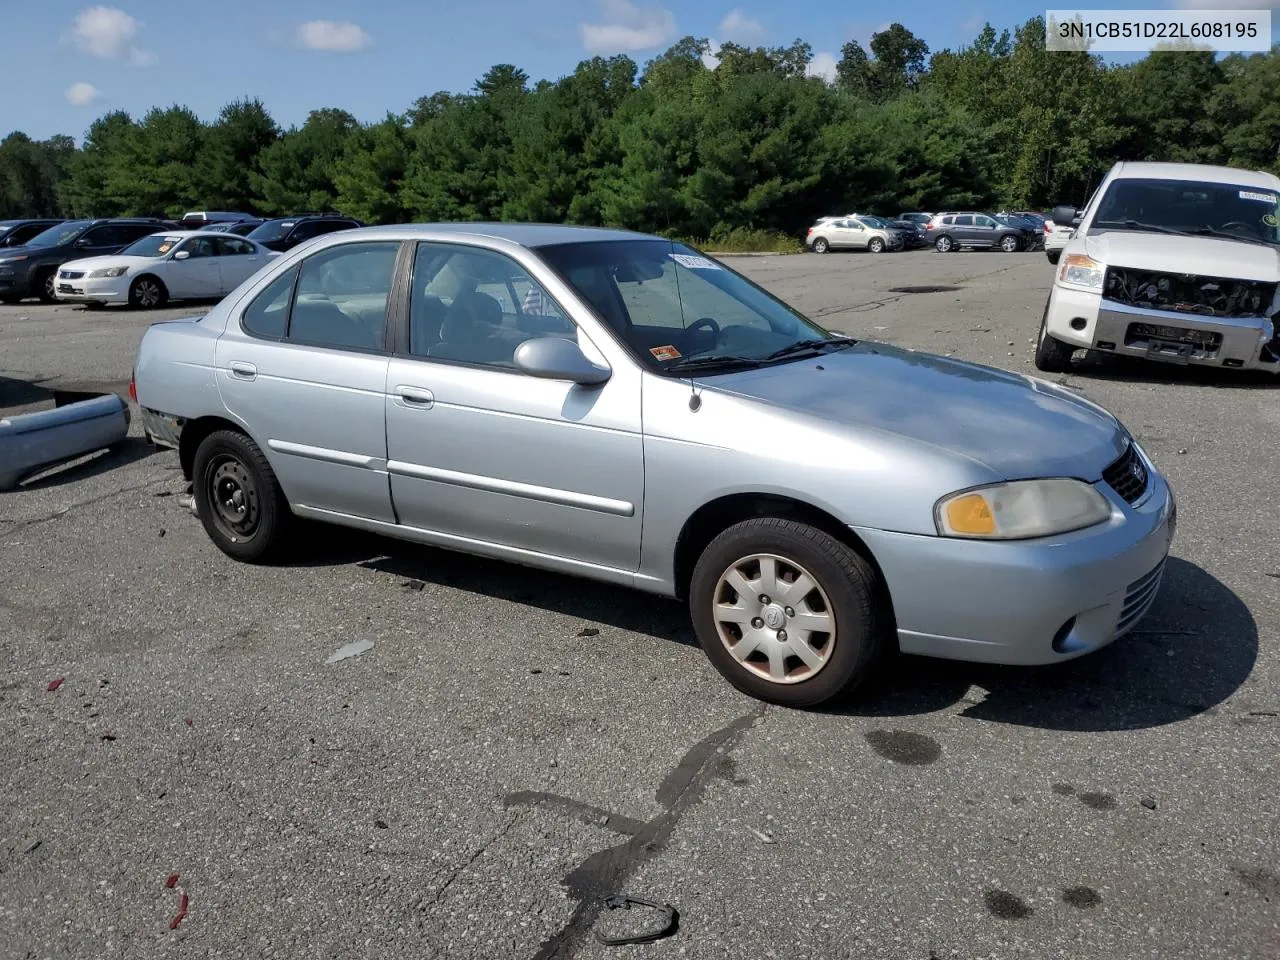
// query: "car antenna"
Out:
[695,401]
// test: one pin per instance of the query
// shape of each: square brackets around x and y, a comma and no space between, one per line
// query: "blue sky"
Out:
[69,61]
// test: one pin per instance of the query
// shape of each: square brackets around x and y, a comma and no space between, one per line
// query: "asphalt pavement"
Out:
[516,746]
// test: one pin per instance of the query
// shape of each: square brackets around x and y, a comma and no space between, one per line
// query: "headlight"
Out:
[1021,509]
[1081,271]
[107,272]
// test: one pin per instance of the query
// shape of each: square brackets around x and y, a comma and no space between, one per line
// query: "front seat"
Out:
[470,331]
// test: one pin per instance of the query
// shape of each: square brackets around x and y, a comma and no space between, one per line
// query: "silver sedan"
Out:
[618,406]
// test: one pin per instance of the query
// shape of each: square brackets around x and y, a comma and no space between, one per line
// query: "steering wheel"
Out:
[707,322]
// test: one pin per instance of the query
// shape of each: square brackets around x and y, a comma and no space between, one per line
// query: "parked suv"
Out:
[855,232]
[15,233]
[980,231]
[29,271]
[285,233]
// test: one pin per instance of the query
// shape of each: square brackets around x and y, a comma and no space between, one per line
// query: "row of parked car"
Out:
[946,231]
[145,261]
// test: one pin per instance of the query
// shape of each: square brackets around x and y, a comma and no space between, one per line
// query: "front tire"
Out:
[785,612]
[820,245]
[45,286]
[147,293]
[944,244]
[1052,356]
[238,499]
[876,245]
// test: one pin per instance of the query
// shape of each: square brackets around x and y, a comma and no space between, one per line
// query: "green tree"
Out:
[297,171]
[370,173]
[231,154]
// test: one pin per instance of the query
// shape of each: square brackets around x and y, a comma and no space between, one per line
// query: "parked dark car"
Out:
[285,233]
[917,217]
[970,229]
[204,219]
[15,233]
[915,232]
[29,270]
[1028,232]
[241,228]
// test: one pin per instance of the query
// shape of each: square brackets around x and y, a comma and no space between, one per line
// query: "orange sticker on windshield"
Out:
[664,353]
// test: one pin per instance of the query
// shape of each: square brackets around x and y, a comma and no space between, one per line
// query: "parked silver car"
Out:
[855,232]
[619,406]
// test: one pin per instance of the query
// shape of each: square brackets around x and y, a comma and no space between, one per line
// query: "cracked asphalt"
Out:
[517,746]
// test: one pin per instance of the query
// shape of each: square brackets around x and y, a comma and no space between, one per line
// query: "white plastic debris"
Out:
[353,649]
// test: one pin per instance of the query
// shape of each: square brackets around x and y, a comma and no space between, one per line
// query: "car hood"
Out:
[1203,256]
[111,260]
[1016,426]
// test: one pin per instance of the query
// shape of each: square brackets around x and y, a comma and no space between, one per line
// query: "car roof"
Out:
[1156,170]
[523,234]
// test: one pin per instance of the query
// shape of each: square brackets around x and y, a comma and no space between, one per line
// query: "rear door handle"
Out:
[416,396]
[242,370]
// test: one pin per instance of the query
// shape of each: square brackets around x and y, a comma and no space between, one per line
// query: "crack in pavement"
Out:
[600,874]
[12,526]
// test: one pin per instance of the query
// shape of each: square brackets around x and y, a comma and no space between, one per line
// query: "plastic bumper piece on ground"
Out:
[33,442]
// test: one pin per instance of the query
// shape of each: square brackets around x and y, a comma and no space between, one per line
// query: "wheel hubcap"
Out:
[774,618]
[234,498]
[148,294]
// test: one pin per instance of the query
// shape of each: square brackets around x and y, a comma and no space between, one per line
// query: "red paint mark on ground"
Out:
[182,913]
[55,684]
[172,881]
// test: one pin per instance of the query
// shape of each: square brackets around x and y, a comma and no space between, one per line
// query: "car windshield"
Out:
[671,305]
[1190,206]
[271,230]
[156,245]
[874,222]
[56,236]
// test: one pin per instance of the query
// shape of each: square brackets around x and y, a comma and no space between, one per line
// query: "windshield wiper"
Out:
[1139,225]
[706,363]
[1209,231]
[800,346]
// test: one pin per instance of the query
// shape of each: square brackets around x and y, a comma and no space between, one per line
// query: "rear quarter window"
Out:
[268,315]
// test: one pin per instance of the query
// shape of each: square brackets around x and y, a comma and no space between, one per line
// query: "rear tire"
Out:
[238,499]
[1052,356]
[1053,255]
[820,245]
[944,244]
[44,285]
[843,595]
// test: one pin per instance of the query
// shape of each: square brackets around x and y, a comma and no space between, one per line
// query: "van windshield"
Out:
[1193,207]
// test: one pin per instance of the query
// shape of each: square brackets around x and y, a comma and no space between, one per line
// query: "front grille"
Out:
[1138,599]
[1188,293]
[1128,476]
[70,274]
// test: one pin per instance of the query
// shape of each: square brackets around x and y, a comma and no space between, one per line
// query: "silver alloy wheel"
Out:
[774,618]
[1009,244]
[943,244]
[148,293]
[820,245]
[50,280]
[877,245]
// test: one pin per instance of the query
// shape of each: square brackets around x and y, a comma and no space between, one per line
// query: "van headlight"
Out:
[1021,509]
[1079,270]
[107,272]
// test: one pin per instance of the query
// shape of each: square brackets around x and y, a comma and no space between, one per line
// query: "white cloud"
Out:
[1225,4]
[108,32]
[82,94]
[333,36]
[711,59]
[971,26]
[822,65]
[626,27]
[740,28]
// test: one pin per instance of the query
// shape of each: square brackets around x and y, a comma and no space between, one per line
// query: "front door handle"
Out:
[242,370]
[416,396]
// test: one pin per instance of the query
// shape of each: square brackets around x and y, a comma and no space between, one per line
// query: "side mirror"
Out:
[182,255]
[1065,215]
[554,358]
[82,244]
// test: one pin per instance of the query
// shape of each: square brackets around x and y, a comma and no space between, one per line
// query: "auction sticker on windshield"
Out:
[1260,197]
[664,353]
[693,263]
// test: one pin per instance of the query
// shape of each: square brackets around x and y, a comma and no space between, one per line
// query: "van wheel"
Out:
[1052,356]
[238,499]
[943,244]
[785,612]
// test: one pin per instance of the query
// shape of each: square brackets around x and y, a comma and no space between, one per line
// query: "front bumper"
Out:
[1084,319]
[1030,602]
[14,281]
[108,290]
